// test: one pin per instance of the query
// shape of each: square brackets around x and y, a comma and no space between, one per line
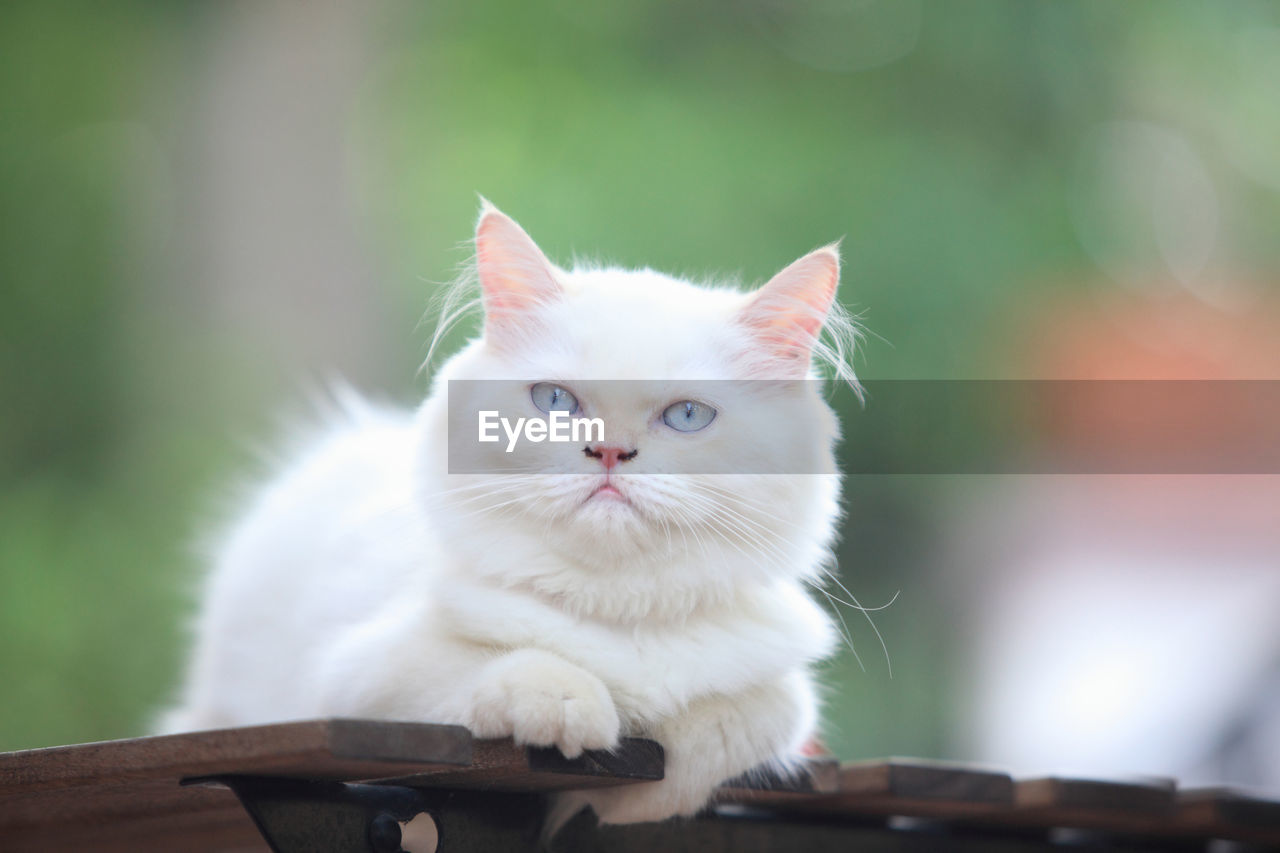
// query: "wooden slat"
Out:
[1227,813]
[224,829]
[100,795]
[924,788]
[768,787]
[1093,804]
[500,765]
[909,787]
[1153,797]
[47,793]
[323,749]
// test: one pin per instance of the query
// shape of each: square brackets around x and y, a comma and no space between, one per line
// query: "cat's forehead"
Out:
[647,290]
[644,324]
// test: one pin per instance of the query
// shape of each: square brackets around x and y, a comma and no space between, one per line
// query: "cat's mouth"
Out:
[608,492]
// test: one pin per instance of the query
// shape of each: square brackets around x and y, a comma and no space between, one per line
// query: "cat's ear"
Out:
[515,277]
[786,315]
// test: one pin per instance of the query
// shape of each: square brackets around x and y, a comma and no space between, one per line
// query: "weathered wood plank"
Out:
[1152,797]
[323,749]
[500,765]
[907,787]
[1092,804]
[224,829]
[1227,813]
[100,795]
[767,787]
[110,789]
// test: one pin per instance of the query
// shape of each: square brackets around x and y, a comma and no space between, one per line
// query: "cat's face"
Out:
[712,426]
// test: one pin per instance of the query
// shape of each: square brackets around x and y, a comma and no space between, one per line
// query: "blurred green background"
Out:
[208,209]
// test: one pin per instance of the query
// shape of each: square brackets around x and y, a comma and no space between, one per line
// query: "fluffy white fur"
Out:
[365,580]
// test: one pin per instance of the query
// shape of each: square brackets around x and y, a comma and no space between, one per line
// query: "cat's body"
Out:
[570,606]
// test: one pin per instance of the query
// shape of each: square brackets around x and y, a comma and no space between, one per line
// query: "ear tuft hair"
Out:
[797,320]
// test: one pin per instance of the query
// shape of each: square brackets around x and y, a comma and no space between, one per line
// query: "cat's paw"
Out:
[542,700]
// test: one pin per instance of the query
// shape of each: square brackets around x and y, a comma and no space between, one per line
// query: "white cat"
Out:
[604,594]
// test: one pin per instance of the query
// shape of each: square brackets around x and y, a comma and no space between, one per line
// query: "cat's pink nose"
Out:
[611,455]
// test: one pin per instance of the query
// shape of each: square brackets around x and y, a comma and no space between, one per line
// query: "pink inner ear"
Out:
[787,313]
[515,277]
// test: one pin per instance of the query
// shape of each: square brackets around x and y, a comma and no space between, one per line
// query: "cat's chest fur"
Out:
[652,668]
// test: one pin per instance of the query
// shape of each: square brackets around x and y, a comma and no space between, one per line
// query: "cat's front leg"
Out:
[378,669]
[715,739]
[543,700]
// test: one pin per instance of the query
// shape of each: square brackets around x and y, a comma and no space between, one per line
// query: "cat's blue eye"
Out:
[688,415]
[550,397]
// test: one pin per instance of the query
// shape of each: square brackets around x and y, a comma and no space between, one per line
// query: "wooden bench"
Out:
[355,784]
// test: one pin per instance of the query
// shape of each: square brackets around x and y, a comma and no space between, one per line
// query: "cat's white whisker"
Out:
[775,551]
[866,612]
